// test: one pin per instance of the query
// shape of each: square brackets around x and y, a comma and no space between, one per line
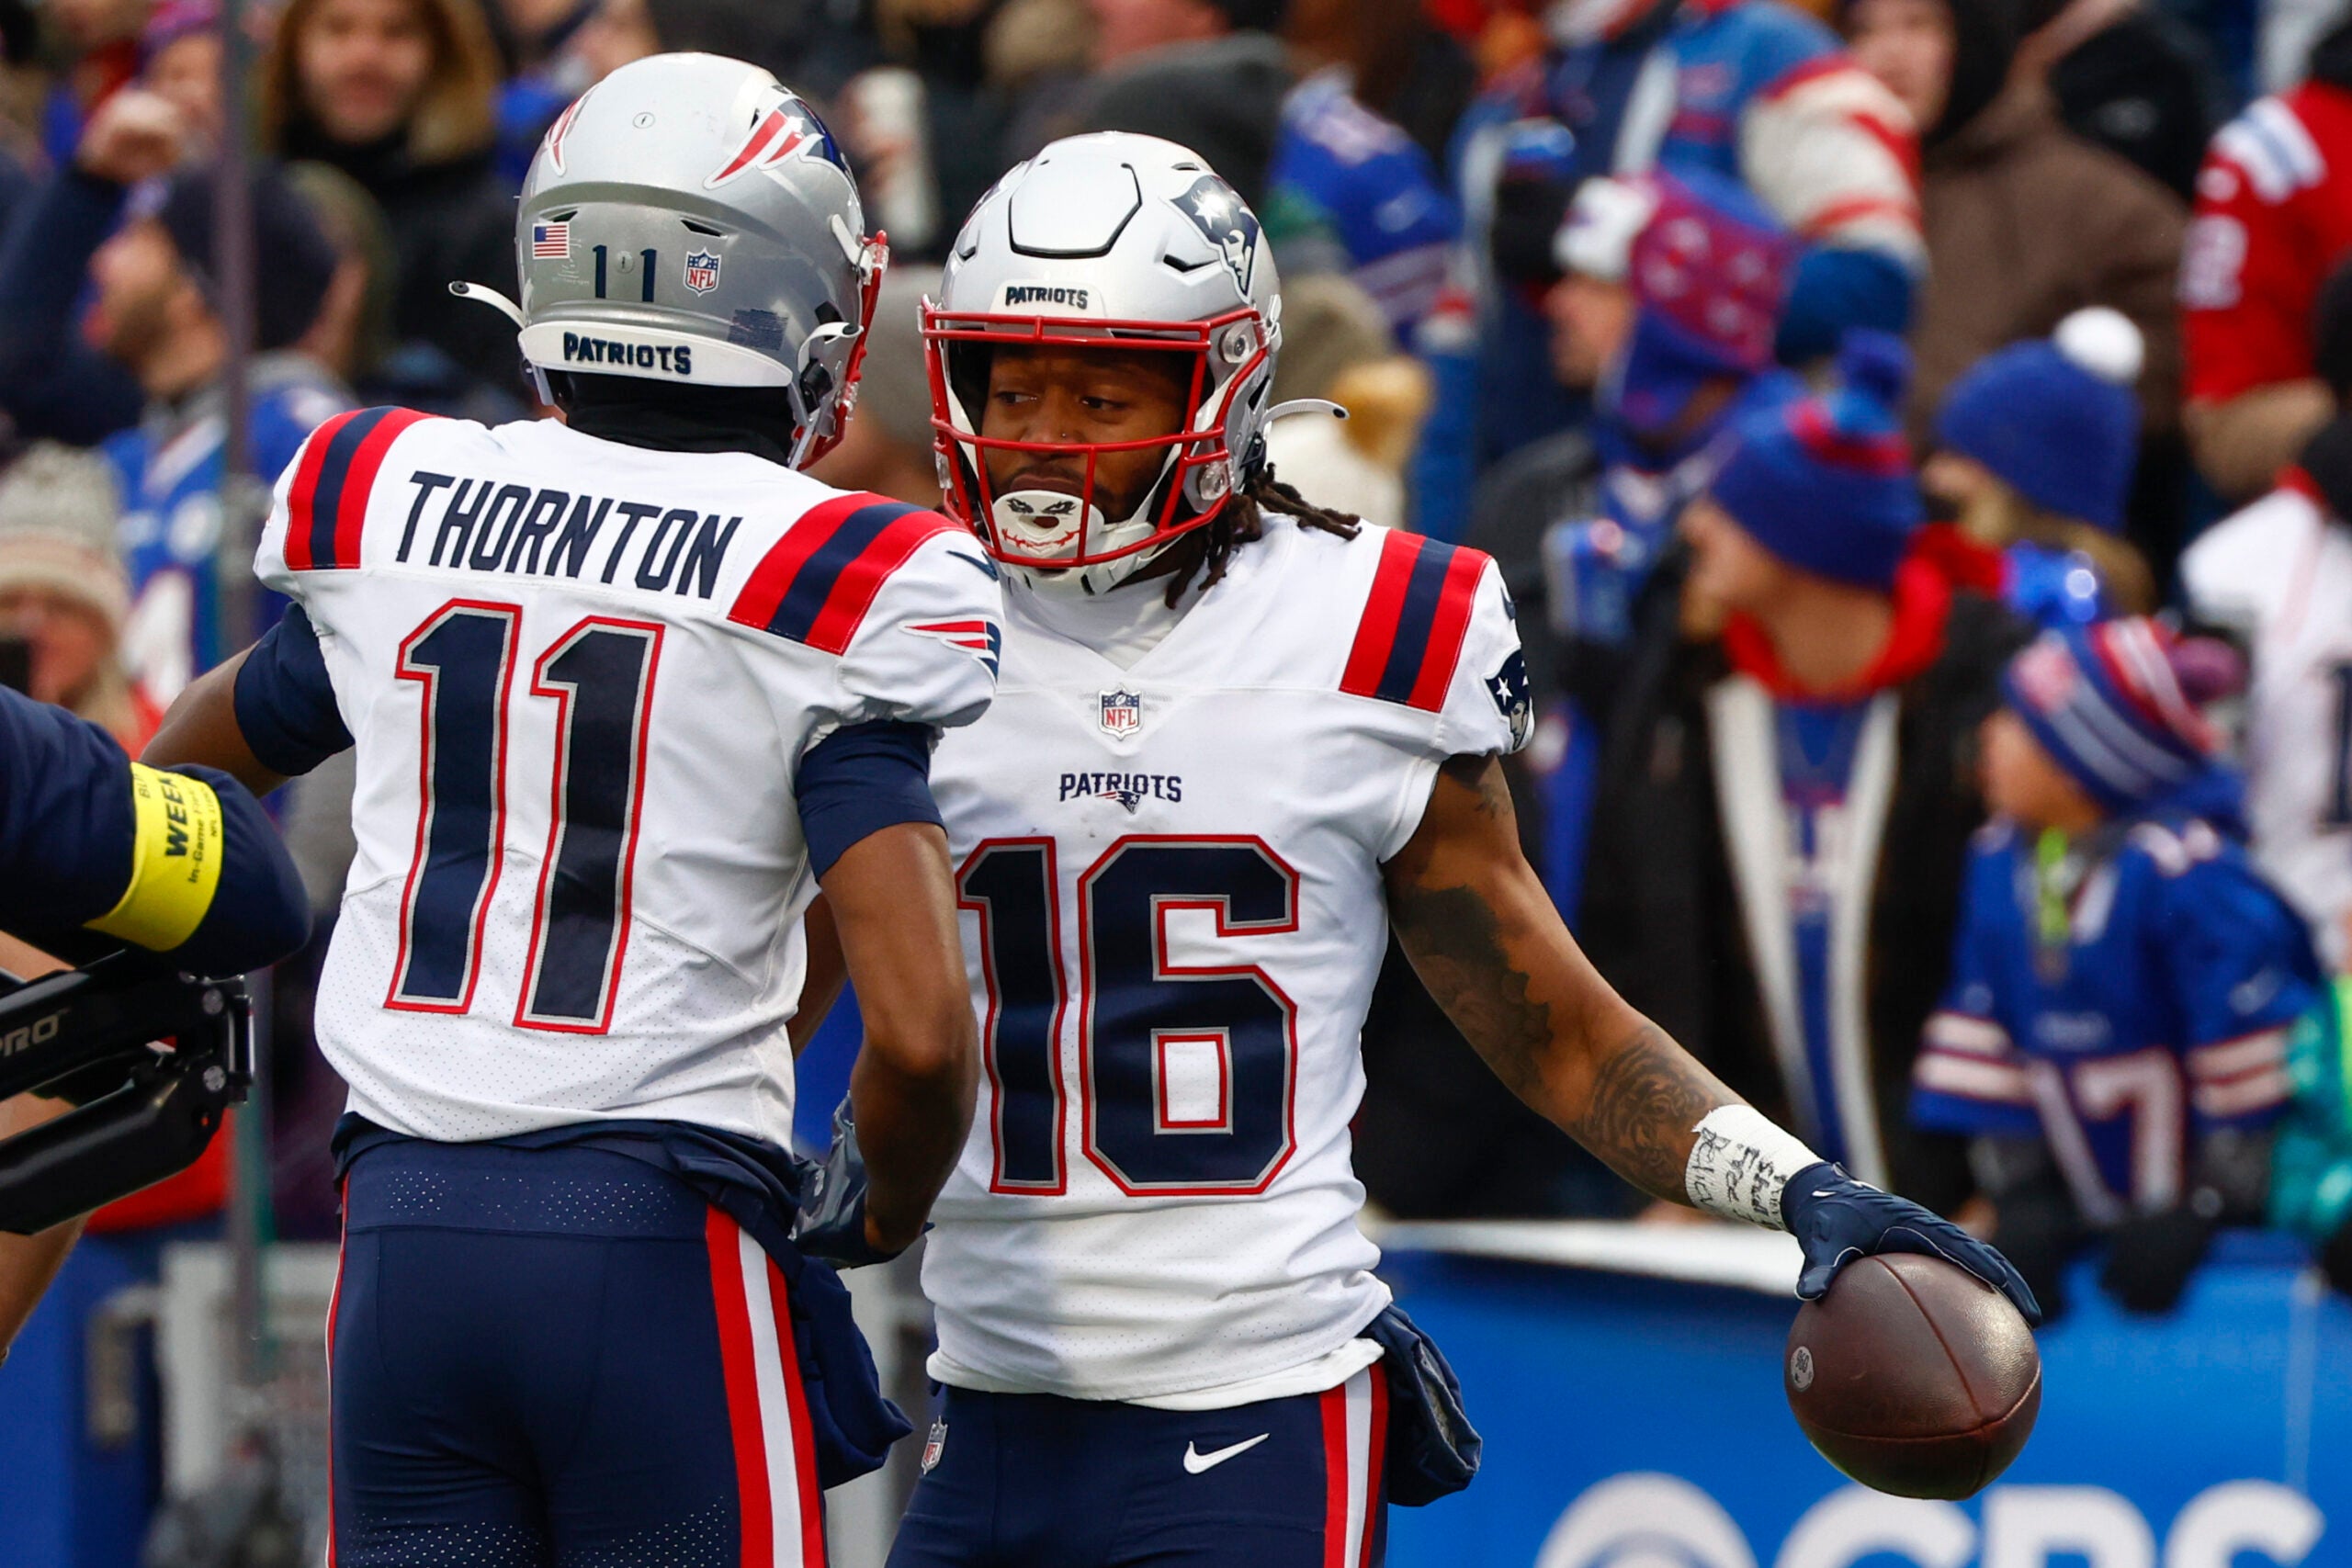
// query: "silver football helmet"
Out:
[1108,243]
[690,219]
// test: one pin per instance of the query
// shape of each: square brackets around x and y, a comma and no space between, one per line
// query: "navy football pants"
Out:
[559,1359]
[1030,1481]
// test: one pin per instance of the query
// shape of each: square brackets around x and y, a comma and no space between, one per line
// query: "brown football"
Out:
[1913,1377]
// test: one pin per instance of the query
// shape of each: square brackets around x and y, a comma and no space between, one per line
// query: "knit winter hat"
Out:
[173,20]
[294,259]
[2054,418]
[1824,482]
[2117,705]
[1709,270]
[59,509]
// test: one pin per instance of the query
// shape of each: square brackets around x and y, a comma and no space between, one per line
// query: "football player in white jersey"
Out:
[625,691]
[1237,737]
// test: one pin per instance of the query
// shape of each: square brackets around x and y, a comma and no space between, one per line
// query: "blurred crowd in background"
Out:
[1912,432]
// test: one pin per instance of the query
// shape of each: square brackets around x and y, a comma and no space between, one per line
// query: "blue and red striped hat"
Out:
[1824,482]
[2118,706]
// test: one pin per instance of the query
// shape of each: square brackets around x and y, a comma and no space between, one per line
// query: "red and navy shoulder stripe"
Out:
[328,505]
[816,583]
[1418,612]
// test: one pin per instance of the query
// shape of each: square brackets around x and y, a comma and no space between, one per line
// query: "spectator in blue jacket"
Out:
[1759,93]
[139,371]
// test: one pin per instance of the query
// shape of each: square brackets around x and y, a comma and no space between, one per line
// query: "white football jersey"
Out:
[1174,915]
[581,677]
[2281,570]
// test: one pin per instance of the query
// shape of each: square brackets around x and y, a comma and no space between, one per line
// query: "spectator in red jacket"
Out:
[2273,216]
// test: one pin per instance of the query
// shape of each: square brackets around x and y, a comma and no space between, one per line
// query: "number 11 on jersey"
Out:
[598,676]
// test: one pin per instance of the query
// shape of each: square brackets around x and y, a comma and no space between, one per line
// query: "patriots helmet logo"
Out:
[785,128]
[1217,211]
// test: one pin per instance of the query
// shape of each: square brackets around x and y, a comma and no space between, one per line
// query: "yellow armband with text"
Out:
[174,861]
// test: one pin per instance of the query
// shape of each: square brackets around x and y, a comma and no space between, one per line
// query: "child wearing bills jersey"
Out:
[1238,739]
[2131,1004]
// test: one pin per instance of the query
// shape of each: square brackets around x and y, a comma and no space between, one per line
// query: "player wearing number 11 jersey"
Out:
[1236,739]
[624,690]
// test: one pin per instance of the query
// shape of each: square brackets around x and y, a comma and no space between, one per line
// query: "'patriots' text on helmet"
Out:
[690,219]
[1119,244]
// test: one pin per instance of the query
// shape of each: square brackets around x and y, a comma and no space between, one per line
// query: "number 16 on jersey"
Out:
[1187,1073]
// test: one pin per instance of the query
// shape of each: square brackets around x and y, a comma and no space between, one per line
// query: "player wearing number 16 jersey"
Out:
[1236,739]
[624,693]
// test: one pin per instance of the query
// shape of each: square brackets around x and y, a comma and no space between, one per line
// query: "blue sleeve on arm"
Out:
[285,702]
[66,829]
[1835,288]
[860,780]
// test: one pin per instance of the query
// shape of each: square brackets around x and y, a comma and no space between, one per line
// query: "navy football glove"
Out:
[1835,1218]
[831,1226]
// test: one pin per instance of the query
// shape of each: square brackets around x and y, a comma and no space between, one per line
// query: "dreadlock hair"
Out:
[1245,520]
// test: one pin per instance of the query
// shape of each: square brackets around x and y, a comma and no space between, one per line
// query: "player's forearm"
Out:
[1486,939]
[910,1128]
[1610,1079]
[893,908]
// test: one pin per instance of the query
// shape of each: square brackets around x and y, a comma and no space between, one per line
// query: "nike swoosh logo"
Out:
[1195,1462]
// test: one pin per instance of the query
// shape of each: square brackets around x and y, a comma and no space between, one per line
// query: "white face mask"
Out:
[1048,524]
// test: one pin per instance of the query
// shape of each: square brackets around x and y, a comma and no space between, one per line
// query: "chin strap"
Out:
[483,294]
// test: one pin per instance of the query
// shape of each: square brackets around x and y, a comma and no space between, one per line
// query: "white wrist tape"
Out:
[1739,1164]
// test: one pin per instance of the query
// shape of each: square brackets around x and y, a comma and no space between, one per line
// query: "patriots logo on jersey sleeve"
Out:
[1508,686]
[982,639]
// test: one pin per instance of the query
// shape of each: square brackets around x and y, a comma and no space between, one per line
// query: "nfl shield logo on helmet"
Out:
[1121,713]
[702,271]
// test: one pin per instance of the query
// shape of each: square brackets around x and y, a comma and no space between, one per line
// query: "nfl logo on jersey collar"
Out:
[1121,714]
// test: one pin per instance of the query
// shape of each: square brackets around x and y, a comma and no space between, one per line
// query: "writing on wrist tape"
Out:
[1739,1164]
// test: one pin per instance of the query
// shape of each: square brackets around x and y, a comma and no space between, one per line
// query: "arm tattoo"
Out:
[1633,1103]
[1646,1097]
[1456,947]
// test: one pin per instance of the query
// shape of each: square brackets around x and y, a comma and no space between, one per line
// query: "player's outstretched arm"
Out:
[1495,955]
[1494,952]
[892,900]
